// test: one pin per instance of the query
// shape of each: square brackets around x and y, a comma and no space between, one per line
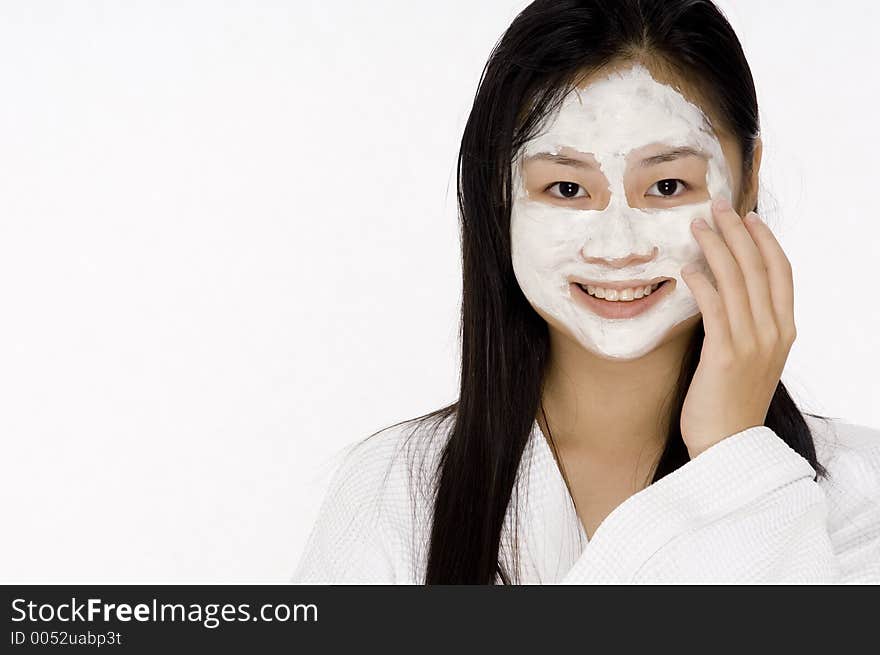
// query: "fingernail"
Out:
[721,203]
[700,224]
[752,217]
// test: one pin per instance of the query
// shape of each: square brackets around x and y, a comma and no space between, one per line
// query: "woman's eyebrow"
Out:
[671,155]
[562,159]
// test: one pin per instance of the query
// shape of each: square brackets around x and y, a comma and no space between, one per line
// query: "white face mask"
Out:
[553,244]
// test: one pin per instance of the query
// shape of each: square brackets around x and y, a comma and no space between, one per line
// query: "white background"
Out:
[228,248]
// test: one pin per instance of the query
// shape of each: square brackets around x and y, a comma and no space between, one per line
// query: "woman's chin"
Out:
[608,348]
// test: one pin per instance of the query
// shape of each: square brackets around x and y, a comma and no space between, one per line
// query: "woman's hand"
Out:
[749,325]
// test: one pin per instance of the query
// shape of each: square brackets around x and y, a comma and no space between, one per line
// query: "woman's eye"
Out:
[567,190]
[668,188]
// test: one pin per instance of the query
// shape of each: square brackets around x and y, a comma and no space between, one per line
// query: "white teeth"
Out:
[622,295]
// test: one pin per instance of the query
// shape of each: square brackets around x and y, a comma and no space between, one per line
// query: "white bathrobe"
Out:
[746,510]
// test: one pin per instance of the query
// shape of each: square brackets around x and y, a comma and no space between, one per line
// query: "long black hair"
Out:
[504,342]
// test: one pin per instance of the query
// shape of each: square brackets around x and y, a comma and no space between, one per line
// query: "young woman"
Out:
[626,319]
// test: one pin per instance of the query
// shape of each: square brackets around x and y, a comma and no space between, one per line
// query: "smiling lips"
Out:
[621,299]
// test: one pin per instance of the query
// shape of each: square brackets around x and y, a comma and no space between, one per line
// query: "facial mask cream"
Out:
[551,244]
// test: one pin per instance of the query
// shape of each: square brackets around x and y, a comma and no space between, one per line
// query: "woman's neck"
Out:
[611,410]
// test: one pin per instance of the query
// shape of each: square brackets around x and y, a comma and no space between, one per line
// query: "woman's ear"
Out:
[752,187]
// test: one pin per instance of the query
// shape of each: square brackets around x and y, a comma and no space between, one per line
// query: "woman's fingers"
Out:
[731,284]
[753,267]
[779,274]
[712,308]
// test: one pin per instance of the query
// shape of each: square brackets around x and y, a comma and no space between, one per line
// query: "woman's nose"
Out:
[622,262]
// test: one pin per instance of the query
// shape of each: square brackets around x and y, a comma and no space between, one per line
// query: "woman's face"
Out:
[602,204]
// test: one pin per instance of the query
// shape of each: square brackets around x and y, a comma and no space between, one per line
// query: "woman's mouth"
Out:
[619,301]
